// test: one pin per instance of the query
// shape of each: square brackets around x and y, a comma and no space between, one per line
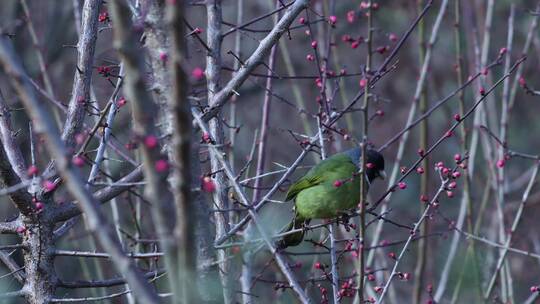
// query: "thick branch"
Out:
[80,94]
[71,176]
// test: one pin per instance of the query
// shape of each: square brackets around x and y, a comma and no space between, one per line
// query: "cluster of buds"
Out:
[324,294]
[354,43]
[347,289]
[206,138]
[404,276]
[104,71]
[104,17]
[366,5]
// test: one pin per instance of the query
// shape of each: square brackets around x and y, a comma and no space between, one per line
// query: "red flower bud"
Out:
[161,166]
[332,20]
[150,141]
[32,170]
[197,73]
[351,16]
[78,161]
[208,184]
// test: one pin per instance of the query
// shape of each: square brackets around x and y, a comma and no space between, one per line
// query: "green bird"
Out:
[329,189]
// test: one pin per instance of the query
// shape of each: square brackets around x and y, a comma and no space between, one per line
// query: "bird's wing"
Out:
[301,184]
[316,175]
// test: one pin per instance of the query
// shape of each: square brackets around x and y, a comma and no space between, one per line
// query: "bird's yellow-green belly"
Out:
[326,200]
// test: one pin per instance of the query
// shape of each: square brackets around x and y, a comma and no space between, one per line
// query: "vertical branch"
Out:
[281,262]
[238,52]
[213,70]
[404,138]
[364,140]
[80,94]
[515,223]
[261,159]
[422,252]
[466,201]
[181,147]
[155,164]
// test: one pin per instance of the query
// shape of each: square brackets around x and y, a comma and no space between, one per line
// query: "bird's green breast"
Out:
[324,199]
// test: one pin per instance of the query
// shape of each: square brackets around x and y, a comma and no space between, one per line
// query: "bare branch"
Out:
[255,59]
[71,176]
[80,94]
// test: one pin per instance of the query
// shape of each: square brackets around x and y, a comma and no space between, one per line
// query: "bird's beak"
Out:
[382,174]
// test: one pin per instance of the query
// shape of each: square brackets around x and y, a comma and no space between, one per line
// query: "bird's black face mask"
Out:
[375,165]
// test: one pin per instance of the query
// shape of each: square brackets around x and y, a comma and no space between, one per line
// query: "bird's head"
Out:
[375,165]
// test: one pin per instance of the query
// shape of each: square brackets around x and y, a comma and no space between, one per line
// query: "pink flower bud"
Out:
[78,161]
[457,117]
[208,184]
[456,174]
[338,183]
[32,170]
[302,20]
[457,157]
[500,163]
[314,44]
[363,82]
[420,170]
[332,20]
[351,16]
[522,81]
[163,56]
[121,102]
[197,73]
[151,141]
[310,57]
[402,185]
[49,186]
[161,166]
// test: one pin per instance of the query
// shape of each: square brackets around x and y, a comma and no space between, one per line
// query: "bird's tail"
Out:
[293,239]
